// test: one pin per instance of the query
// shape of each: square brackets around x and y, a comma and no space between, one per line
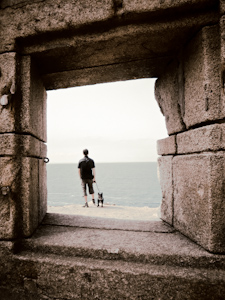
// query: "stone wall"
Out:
[56,44]
[22,146]
[191,98]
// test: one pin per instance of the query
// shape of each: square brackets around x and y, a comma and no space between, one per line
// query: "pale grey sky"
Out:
[116,122]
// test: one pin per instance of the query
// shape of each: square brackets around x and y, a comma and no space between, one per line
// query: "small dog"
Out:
[100,199]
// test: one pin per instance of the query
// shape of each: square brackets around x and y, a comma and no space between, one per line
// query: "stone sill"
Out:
[109,239]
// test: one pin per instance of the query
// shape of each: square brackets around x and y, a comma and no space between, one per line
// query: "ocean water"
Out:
[122,184]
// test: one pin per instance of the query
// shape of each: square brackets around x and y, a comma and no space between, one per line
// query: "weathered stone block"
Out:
[30,194]
[8,66]
[199,203]
[166,182]
[25,145]
[167,146]
[222,7]
[156,5]
[202,78]
[10,206]
[21,208]
[167,95]
[39,17]
[8,73]
[33,108]
[207,138]
[42,180]
[26,110]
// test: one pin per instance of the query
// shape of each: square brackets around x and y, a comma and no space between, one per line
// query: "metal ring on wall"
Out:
[46,160]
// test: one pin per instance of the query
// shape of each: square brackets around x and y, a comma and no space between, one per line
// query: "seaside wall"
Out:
[56,44]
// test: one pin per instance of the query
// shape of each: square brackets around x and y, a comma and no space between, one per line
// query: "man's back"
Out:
[86,165]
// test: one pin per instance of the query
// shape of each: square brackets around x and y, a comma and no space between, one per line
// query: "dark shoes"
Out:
[86,204]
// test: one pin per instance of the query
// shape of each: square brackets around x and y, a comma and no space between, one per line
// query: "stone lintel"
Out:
[144,68]
[167,146]
[40,17]
[25,145]
[207,138]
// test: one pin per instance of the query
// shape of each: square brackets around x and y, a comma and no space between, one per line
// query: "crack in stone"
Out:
[117,6]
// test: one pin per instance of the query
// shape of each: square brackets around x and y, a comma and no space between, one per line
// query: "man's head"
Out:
[85,151]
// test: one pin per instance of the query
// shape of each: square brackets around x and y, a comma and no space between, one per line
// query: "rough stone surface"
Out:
[48,277]
[83,263]
[167,96]
[202,78]
[30,195]
[26,110]
[199,204]
[9,172]
[25,145]
[39,17]
[20,207]
[222,55]
[160,247]
[222,6]
[167,146]
[42,183]
[142,5]
[103,223]
[144,68]
[8,70]
[166,182]
[104,34]
[207,138]
[55,44]
[33,109]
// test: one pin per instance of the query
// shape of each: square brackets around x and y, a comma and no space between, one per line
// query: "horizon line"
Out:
[106,162]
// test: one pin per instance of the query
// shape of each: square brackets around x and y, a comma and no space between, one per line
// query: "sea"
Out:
[133,184]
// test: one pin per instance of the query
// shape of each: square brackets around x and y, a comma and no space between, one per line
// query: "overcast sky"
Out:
[116,122]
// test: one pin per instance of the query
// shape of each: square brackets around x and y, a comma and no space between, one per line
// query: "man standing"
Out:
[86,171]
